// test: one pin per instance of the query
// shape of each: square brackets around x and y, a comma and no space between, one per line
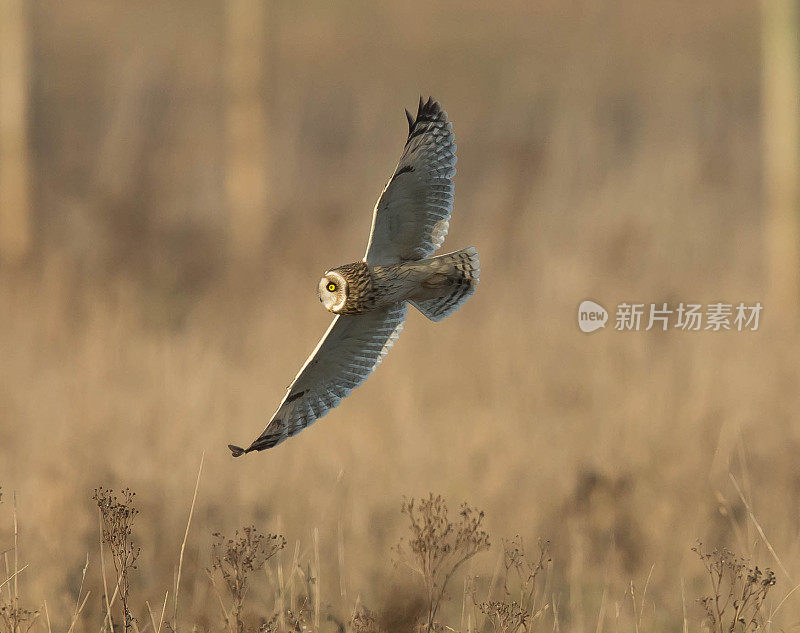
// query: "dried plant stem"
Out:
[317,578]
[235,560]
[438,547]
[683,602]
[780,604]
[183,545]
[108,617]
[77,612]
[157,628]
[150,613]
[163,611]
[80,588]
[16,552]
[117,515]
[281,595]
[13,576]
[758,527]
[47,617]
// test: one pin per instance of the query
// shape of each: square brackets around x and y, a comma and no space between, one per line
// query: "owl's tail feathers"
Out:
[462,269]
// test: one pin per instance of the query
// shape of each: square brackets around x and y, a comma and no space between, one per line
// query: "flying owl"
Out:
[370,297]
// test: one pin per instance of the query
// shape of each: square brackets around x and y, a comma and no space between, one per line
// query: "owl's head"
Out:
[333,291]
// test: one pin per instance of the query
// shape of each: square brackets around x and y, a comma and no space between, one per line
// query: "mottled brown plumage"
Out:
[360,292]
[445,278]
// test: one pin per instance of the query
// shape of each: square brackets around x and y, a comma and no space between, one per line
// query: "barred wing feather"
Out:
[347,354]
[412,216]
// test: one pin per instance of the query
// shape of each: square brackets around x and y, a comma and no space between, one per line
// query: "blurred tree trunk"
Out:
[15,229]
[246,184]
[781,101]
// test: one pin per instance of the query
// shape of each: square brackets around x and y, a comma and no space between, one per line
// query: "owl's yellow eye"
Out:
[332,287]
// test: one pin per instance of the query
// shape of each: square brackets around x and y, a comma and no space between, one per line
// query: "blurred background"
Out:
[175,176]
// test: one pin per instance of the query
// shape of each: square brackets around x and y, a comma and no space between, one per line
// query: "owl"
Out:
[370,298]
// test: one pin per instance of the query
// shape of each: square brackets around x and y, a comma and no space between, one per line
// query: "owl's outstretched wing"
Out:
[347,354]
[412,216]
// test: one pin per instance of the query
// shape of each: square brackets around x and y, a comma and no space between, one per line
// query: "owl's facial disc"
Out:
[333,291]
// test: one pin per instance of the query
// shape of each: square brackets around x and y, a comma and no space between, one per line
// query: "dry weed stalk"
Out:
[505,617]
[520,606]
[438,547]
[13,617]
[364,621]
[117,513]
[738,591]
[235,559]
[179,571]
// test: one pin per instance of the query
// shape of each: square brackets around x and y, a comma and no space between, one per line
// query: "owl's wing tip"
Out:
[237,451]
[410,121]
[259,445]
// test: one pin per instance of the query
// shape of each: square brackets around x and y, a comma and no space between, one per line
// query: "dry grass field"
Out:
[607,150]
